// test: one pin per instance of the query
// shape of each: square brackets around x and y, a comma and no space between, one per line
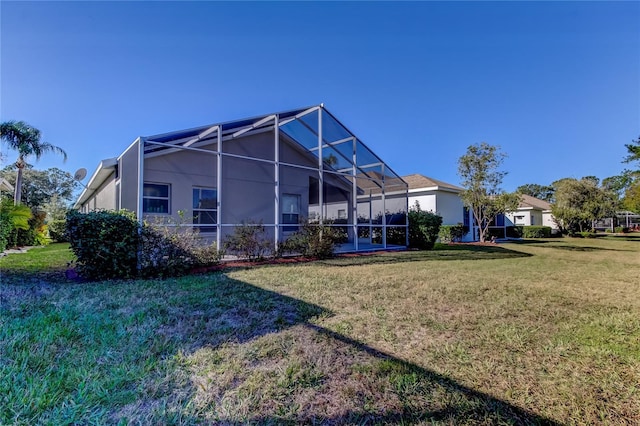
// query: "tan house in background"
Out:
[531,212]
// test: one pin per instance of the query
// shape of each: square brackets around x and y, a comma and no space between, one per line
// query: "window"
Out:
[290,212]
[465,216]
[155,198]
[205,209]
[342,214]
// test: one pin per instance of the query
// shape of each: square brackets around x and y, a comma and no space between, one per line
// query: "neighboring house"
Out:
[439,197]
[436,196]
[5,186]
[276,169]
[531,212]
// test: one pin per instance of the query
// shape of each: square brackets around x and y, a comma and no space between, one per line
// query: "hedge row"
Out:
[528,231]
[110,244]
[452,233]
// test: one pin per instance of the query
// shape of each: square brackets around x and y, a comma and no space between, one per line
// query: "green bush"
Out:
[110,244]
[514,231]
[35,235]
[452,233]
[397,236]
[57,230]
[12,217]
[587,234]
[621,229]
[105,243]
[495,232]
[171,251]
[249,241]
[5,230]
[423,228]
[536,232]
[313,241]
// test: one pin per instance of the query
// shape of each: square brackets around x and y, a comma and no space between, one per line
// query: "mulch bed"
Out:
[278,261]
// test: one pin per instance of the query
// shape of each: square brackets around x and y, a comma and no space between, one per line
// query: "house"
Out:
[532,211]
[441,198]
[277,169]
[5,186]
[436,196]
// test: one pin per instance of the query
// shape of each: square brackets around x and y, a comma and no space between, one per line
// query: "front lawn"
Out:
[537,332]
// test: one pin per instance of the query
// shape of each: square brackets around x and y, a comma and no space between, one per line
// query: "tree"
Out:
[620,183]
[40,187]
[581,202]
[481,179]
[543,192]
[631,200]
[27,141]
[633,151]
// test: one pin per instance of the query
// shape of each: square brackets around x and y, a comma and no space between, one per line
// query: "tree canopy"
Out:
[633,151]
[41,187]
[581,202]
[25,139]
[543,192]
[481,178]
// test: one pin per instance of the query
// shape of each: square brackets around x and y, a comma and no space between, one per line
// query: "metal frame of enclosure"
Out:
[342,167]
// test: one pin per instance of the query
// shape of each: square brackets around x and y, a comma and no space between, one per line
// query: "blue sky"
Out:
[555,84]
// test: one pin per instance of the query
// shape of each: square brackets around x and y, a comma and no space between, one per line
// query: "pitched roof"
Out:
[528,201]
[5,185]
[418,181]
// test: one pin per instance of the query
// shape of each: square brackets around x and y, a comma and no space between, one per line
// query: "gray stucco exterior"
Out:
[255,167]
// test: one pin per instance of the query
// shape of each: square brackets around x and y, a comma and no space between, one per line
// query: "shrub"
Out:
[249,241]
[172,251]
[110,244]
[312,240]
[587,234]
[496,233]
[536,232]
[57,230]
[105,243]
[452,233]
[34,235]
[621,229]
[423,228]
[12,217]
[514,231]
[397,236]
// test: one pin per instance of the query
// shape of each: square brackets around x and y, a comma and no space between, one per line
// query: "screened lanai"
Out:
[279,170]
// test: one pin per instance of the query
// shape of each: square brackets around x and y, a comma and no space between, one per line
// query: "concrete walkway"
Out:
[16,250]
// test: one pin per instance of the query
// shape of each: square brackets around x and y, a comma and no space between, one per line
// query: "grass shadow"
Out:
[568,247]
[144,333]
[411,385]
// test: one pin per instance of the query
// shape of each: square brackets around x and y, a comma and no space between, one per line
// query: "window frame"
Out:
[211,228]
[148,197]
[287,225]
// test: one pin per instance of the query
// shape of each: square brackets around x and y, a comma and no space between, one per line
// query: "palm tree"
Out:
[25,139]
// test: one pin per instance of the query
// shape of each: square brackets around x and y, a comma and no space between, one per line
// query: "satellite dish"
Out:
[80,174]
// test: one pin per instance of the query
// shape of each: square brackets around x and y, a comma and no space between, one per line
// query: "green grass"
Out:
[45,262]
[538,332]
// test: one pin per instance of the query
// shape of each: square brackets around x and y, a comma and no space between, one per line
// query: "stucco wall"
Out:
[446,204]
[427,200]
[450,207]
[547,220]
[104,198]
[106,195]
[128,169]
